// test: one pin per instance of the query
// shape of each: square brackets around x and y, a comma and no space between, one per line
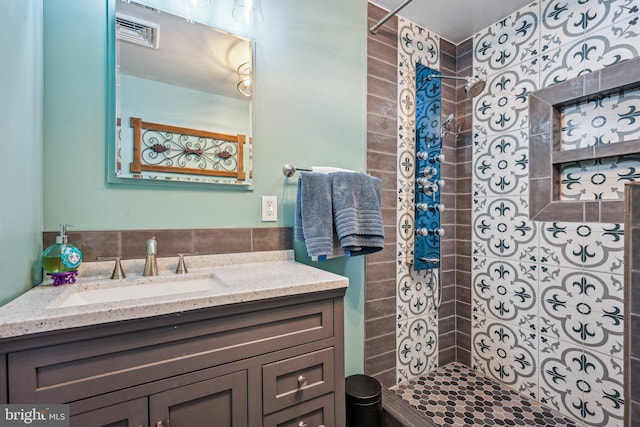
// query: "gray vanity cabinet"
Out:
[219,401]
[133,413]
[276,363]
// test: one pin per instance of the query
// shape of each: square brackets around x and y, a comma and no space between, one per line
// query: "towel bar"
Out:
[288,170]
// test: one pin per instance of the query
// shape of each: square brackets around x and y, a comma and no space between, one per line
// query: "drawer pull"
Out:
[303,424]
[302,381]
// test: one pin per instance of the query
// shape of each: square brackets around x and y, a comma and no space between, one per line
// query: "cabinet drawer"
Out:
[291,381]
[314,413]
[67,372]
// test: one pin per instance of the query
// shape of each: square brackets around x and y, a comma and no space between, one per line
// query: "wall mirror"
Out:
[183,103]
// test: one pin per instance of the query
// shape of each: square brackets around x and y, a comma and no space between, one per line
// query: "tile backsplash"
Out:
[131,244]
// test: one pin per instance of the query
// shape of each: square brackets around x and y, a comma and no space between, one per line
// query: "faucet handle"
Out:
[118,272]
[182,268]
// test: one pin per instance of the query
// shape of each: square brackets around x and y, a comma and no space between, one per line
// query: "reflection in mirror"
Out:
[183,99]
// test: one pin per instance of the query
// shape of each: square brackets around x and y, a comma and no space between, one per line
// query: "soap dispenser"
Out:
[62,260]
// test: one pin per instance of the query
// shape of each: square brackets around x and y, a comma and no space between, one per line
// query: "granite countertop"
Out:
[212,280]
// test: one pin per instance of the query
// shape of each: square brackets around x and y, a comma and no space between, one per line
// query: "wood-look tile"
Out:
[463,185]
[464,47]
[376,272]
[635,334]
[464,139]
[379,345]
[463,356]
[635,385]
[134,243]
[387,378]
[382,106]
[446,325]
[380,308]
[464,62]
[463,232]
[447,64]
[463,248]
[463,325]
[634,303]
[222,241]
[380,326]
[381,289]
[382,125]
[463,216]
[447,263]
[463,263]
[447,308]
[387,179]
[448,48]
[382,89]
[463,278]
[382,71]
[448,293]
[380,363]
[376,48]
[446,356]
[381,161]
[463,309]
[90,243]
[383,144]
[272,239]
[376,13]
[463,341]
[388,254]
[463,294]
[447,340]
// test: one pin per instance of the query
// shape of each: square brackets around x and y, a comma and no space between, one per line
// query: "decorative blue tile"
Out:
[505,353]
[503,106]
[501,165]
[512,40]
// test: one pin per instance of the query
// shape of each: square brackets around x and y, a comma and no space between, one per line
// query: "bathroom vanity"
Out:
[268,351]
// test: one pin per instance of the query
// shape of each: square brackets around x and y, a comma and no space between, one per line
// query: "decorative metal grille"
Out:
[164,148]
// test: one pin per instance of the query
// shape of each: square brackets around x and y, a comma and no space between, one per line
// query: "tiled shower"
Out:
[537,306]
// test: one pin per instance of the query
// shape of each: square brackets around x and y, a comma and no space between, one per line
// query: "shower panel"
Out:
[428,180]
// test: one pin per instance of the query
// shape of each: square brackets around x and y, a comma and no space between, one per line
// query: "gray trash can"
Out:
[364,401]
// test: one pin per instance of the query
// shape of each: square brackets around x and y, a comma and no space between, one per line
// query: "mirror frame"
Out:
[111,126]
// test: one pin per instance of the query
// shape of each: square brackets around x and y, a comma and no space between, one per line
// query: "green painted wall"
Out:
[21,159]
[310,109]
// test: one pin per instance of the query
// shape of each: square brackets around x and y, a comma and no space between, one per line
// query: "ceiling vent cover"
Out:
[137,31]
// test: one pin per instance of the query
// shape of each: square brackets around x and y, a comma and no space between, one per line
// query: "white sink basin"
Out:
[138,288]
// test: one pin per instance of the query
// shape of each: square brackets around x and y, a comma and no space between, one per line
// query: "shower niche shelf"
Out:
[550,156]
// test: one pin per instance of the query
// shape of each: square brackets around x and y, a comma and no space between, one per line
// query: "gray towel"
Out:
[357,202]
[314,220]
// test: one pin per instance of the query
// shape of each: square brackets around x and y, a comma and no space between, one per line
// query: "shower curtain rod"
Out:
[374,28]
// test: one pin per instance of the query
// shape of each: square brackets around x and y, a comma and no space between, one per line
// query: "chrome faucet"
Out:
[151,264]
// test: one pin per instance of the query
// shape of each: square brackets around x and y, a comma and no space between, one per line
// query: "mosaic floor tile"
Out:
[455,395]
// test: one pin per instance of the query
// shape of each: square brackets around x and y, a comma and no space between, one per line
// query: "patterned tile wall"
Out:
[547,298]
[417,318]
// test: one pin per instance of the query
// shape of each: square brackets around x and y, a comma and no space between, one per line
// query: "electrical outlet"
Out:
[269,208]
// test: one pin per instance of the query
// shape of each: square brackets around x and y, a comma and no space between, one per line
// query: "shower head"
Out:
[474,85]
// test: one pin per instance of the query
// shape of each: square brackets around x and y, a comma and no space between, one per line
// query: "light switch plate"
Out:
[269,208]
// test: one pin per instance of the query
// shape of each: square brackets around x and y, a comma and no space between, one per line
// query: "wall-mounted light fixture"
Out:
[244,79]
[247,12]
